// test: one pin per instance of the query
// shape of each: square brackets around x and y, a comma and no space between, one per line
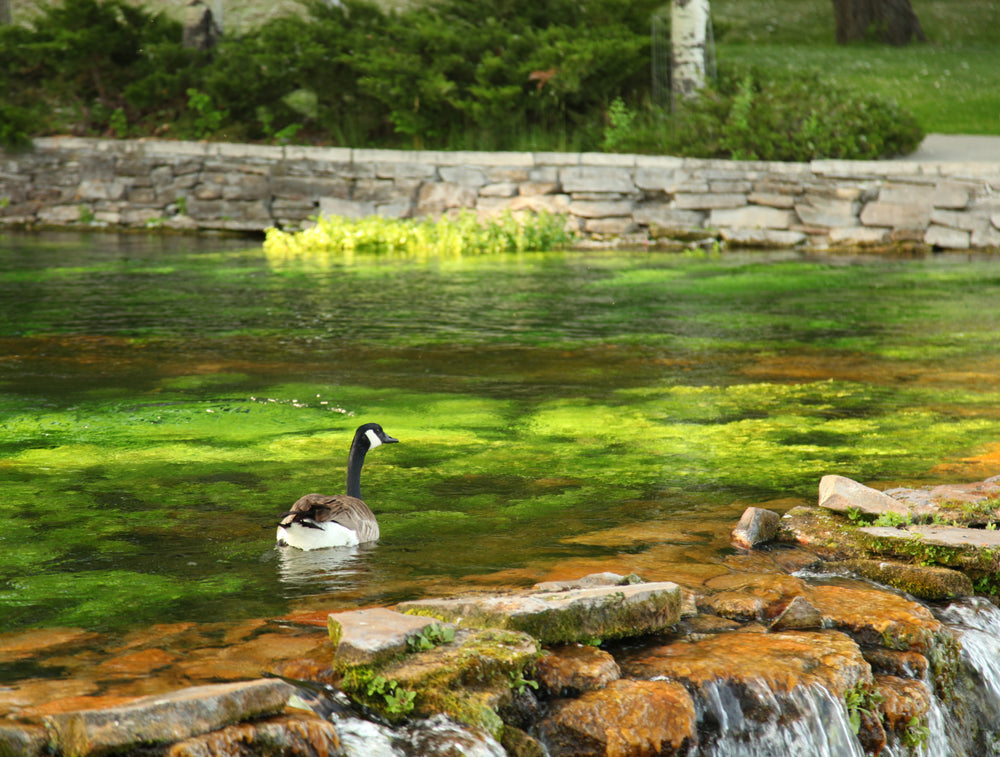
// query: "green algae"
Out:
[169,401]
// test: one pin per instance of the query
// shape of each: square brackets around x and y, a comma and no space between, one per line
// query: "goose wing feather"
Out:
[350,512]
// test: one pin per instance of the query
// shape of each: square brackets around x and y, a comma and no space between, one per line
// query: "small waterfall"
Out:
[438,736]
[755,722]
[978,622]
[433,737]
[972,722]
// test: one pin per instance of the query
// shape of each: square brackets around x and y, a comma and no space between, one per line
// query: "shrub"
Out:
[454,74]
[15,127]
[84,57]
[750,117]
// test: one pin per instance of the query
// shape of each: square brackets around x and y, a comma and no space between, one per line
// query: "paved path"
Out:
[956,147]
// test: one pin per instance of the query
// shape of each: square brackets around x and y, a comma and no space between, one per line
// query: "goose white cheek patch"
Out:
[373,439]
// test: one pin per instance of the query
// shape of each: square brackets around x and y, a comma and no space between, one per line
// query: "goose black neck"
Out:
[355,459]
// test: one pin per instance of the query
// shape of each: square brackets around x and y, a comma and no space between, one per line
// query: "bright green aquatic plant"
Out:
[448,237]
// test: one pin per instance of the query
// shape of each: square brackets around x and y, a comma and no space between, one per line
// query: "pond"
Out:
[164,398]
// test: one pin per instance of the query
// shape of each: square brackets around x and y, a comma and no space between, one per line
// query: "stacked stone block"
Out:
[67,181]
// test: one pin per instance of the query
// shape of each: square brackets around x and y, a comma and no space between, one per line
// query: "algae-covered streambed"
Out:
[163,399]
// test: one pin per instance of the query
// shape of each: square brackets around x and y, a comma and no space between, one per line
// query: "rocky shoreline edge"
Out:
[608,199]
[826,602]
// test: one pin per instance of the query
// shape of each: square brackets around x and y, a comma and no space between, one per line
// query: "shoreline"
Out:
[609,199]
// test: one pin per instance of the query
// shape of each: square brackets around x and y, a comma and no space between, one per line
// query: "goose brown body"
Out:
[350,512]
[340,520]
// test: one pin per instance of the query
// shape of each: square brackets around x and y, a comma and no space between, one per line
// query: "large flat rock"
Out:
[940,536]
[165,719]
[364,636]
[843,494]
[573,615]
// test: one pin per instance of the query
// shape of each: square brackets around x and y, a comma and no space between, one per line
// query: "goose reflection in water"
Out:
[322,569]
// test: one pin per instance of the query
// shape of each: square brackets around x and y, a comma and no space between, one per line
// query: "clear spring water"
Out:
[162,399]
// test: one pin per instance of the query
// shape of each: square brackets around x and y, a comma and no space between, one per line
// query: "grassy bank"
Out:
[951,83]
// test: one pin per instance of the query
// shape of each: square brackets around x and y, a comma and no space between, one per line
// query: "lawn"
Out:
[951,82]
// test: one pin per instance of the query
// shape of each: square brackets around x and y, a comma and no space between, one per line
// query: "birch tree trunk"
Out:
[688,36]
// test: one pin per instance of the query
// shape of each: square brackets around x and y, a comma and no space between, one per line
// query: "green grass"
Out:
[951,83]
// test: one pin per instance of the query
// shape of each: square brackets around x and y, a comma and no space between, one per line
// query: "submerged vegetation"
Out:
[464,234]
[609,409]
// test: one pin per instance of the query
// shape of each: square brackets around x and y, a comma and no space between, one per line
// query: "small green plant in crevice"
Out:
[861,699]
[893,520]
[518,683]
[382,694]
[85,214]
[916,733]
[856,516]
[432,636]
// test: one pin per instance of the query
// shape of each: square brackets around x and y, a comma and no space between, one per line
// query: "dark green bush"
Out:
[15,127]
[747,116]
[458,74]
[85,60]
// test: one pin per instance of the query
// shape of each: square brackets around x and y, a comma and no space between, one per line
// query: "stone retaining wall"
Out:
[68,181]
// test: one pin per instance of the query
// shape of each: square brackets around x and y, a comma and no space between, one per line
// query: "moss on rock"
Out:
[932,583]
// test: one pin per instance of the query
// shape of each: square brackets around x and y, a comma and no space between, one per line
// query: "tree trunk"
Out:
[6,17]
[688,35]
[890,21]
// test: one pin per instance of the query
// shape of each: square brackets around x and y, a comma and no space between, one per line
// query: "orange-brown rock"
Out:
[896,663]
[799,615]
[750,596]
[137,663]
[164,719]
[20,699]
[781,661]
[72,704]
[252,658]
[15,646]
[640,718]
[571,669]
[306,737]
[902,700]
[877,618]
[871,732]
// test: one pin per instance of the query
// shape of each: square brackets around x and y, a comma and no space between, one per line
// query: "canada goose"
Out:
[341,520]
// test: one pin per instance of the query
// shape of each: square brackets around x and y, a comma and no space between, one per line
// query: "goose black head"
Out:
[374,435]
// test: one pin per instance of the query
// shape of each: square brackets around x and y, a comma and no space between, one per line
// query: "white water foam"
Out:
[807,721]
[978,622]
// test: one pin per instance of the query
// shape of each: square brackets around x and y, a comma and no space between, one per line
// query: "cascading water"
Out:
[978,622]
[359,736]
[807,721]
[971,723]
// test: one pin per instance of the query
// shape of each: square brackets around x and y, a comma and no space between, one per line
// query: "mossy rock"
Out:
[931,583]
[835,537]
[468,678]
[829,535]
[577,615]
